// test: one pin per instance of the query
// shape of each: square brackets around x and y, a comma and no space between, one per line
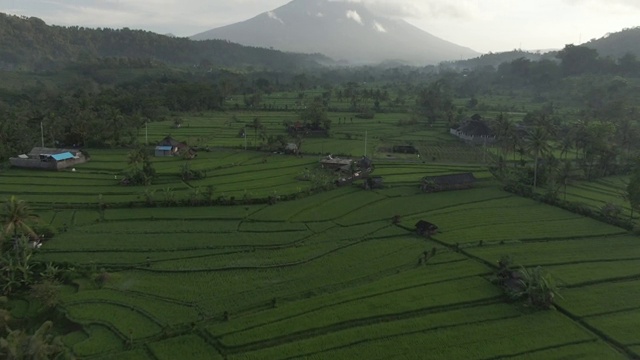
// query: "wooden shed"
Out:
[425,228]
[448,182]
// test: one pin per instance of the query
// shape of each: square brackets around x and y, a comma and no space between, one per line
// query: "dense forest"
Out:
[30,44]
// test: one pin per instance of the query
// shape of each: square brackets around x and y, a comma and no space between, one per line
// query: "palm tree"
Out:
[564,175]
[256,125]
[136,157]
[580,136]
[505,132]
[566,145]
[538,145]
[15,216]
[19,344]
[632,192]
[537,286]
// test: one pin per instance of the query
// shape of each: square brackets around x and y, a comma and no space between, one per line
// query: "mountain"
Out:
[31,44]
[342,30]
[617,44]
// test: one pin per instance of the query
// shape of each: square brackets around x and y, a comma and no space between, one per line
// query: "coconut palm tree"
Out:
[505,132]
[537,287]
[42,344]
[15,216]
[538,145]
[632,192]
[564,175]
[256,125]
[566,144]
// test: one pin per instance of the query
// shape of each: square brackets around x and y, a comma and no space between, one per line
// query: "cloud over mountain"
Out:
[343,30]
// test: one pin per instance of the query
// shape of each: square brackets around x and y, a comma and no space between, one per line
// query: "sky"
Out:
[482,25]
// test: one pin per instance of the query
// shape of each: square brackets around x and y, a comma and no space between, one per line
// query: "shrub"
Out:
[45,231]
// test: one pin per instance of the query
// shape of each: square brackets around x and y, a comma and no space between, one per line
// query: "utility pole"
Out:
[365,143]
[245,137]
[146,133]
[41,134]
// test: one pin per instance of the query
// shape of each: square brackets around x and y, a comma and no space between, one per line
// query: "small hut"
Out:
[425,228]
[405,149]
[375,182]
[172,147]
[291,148]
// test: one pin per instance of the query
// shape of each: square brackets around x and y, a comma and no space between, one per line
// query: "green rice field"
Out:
[330,274]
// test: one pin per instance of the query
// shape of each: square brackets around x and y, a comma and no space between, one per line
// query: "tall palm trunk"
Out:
[535,172]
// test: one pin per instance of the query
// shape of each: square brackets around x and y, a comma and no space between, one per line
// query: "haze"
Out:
[485,26]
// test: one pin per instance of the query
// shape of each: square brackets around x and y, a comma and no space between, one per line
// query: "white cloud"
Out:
[607,5]
[319,15]
[379,28]
[484,25]
[353,15]
[273,16]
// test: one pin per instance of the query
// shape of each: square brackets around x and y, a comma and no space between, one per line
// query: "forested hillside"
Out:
[618,44]
[31,44]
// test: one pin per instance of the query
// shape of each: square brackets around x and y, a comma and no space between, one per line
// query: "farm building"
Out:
[405,149]
[49,159]
[307,130]
[425,228]
[172,147]
[365,164]
[474,130]
[163,150]
[448,182]
[331,163]
[291,148]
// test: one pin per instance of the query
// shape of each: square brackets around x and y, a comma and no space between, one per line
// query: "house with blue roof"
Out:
[172,147]
[49,158]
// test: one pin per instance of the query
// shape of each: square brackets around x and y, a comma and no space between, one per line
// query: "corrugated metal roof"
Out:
[164,148]
[62,156]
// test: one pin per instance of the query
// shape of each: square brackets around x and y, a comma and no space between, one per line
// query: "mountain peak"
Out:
[343,30]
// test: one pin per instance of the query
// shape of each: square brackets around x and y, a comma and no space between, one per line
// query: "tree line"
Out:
[29,43]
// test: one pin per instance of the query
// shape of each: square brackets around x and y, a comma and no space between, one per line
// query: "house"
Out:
[375,182]
[306,130]
[425,228]
[172,147]
[448,182]
[49,158]
[331,163]
[474,130]
[163,150]
[365,164]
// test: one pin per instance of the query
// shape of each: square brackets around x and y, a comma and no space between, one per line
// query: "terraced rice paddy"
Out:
[596,194]
[329,276]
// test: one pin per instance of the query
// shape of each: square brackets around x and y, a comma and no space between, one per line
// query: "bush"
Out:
[45,231]
[611,211]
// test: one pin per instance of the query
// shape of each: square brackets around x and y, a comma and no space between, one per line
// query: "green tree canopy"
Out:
[16,217]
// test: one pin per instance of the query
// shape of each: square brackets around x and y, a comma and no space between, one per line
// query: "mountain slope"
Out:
[29,43]
[341,30]
[617,44]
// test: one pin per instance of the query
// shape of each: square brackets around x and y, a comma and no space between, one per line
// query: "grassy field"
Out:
[328,275]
